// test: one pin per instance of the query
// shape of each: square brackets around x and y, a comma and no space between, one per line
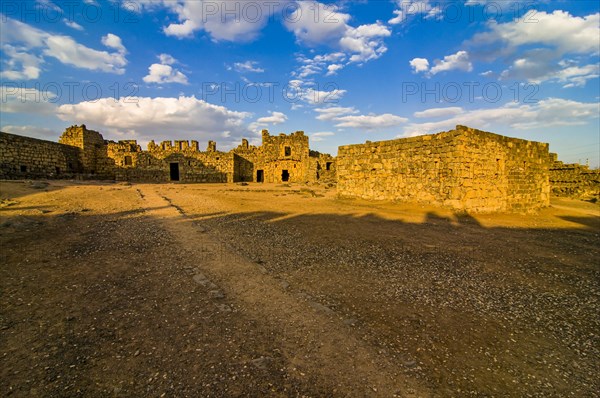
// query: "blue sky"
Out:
[342,71]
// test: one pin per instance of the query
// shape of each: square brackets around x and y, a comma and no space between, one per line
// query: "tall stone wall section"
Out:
[463,169]
[24,157]
[283,155]
[574,180]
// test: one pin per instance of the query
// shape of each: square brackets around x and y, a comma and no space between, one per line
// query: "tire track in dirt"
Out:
[316,341]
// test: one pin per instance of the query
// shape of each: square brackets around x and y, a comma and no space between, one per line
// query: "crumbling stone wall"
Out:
[284,157]
[280,158]
[573,180]
[464,169]
[24,157]
[94,151]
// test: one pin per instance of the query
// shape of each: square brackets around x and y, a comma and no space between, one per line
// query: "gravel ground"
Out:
[227,290]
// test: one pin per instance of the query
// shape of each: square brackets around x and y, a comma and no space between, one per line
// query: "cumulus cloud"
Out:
[247,67]
[408,9]
[546,113]
[16,99]
[334,112]
[320,136]
[274,119]
[316,24]
[537,47]
[148,118]
[457,61]
[439,112]
[222,20]
[43,133]
[419,65]
[164,73]
[370,122]
[72,24]
[26,47]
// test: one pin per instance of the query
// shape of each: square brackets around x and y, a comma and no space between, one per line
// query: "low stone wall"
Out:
[25,157]
[574,180]
[464,169]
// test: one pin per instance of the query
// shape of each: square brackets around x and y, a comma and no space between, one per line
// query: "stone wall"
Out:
[464,169]
[94,155]
[24,157]
[574,180]
[283,158]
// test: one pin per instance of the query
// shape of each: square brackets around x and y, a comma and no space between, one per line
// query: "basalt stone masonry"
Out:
[463,169]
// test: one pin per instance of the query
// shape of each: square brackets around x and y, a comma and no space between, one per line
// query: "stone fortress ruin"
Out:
[464,169]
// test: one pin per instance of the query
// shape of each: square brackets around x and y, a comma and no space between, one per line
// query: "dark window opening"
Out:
[217,158]
[260,176]
[189,163]
[23,169]
[285,176]
[318,176]
[128,161]
[70,166]
[57,169]
[328,166]
[149,161]
[174,171]
[288,151]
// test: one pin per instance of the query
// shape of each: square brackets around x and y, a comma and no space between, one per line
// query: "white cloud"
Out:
[537,44]
[166,59]
[419,65]
[236,21]
[315,97]
[559,30]
[16,99]
[19,38]
[150,118]
[334,112]
[408,9]
[317,137]
[439,112]
[546,113]
[32,131]
[164,73]
[263,122]
[248,66]
[544,68]
[275,118]
[370,122]
[72,24]
[457,61]
[20,64]
[315,25]
[333,68]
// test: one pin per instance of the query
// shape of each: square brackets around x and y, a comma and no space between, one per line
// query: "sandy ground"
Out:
[272,290]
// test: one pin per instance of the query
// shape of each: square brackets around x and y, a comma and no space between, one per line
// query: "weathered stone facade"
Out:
[464,169]
[573,180]
[24,157]
[280,158]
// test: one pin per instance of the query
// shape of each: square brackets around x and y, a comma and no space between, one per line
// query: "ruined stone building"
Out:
[84,153]
[463,169]
[573,180]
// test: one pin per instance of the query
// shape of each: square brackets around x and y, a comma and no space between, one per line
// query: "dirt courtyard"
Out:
[173,290]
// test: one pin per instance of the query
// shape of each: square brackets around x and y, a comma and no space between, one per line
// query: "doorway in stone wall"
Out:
[174,171]
[260,176]
[285,176]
